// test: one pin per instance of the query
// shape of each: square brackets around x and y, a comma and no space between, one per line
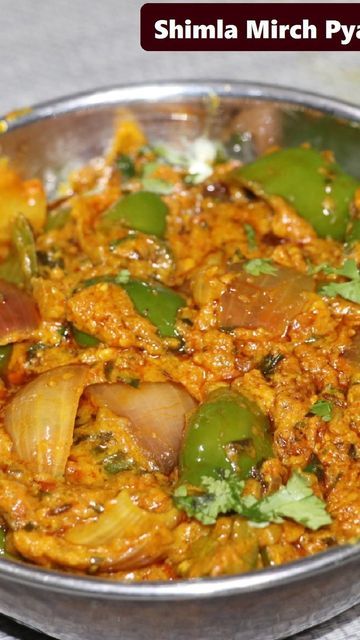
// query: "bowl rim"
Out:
[204,587]
[166,89]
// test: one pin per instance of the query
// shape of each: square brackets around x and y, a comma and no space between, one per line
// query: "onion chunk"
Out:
[19,316]
[270,302]
[40,418]
[156,411]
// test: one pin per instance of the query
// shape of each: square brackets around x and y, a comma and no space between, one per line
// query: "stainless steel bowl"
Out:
[264,605]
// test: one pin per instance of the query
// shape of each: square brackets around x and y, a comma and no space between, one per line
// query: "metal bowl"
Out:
[269,604]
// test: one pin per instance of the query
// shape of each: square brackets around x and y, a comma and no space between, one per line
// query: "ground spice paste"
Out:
[180,362]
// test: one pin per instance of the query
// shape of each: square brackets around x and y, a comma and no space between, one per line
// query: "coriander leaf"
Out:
[152,182]
[349,270]
[157,185]
[224,495]
[323,266]
[126,165]
[259,266]
[297,502]
[323,409]
[250,236]
[122,277]
[314,466]
[207,506]
[347,290]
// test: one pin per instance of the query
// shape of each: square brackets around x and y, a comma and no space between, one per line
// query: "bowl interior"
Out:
[53,138]
[50,139]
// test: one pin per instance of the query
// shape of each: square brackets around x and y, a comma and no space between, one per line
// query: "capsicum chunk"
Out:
[84,339]
[227,432]
[317,188]
[143,211]
[5,355]
[157,303]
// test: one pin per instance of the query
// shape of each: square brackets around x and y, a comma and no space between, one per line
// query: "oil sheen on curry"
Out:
[180,361]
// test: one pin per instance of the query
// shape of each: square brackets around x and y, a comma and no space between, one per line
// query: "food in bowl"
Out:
[180,361]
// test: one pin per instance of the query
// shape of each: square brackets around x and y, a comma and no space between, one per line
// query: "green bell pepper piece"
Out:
[157,303]
[318,189]
[5,355]
[57,219]
[84,339]
[143,211]
[226,417]
[10,270]
[353,232]
[24,243]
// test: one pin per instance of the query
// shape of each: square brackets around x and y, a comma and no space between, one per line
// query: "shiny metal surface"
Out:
[265,605]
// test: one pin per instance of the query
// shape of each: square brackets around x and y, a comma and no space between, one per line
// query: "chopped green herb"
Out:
[153,183]
[323,409]
[193,178]
[347,290]
[314,466]
[65,330]
[58,218]
[259,266]
[158,185]
[34,348]
[116,463]
[250,236]
[314,269]
[269,363]
[122,277]
[296,501]
[83,339]
[126,165]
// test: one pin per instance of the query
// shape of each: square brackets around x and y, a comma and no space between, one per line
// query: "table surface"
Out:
[75,45]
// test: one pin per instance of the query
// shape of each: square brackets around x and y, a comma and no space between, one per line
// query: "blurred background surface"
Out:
[57,47]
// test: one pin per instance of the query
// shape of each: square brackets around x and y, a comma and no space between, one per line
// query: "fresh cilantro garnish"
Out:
[250,236]
[152,183]
[117,462]
[157,185]
[126,165]
[198,160]
[259,266]
[122,277]
[224,495]
[347,290]
[323,409]
[295,501]
[314,269]
[314,466]
[220,495]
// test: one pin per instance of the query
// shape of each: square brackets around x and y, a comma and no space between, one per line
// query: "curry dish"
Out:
[180,361]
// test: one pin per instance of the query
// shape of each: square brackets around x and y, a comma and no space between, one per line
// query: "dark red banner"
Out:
[250,27]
